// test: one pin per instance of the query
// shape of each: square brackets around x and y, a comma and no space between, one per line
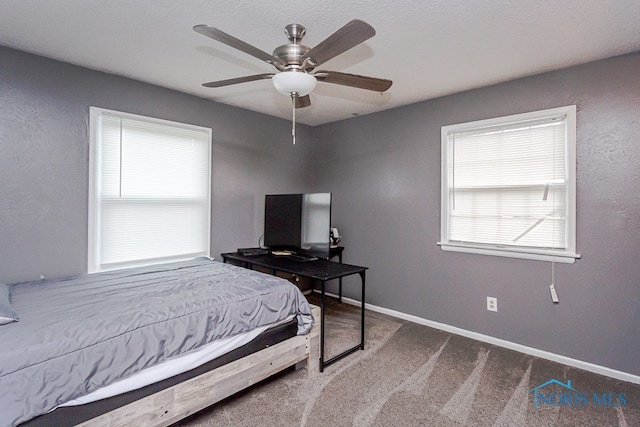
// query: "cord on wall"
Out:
[552,288]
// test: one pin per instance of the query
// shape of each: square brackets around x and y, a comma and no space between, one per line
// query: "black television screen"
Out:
[282,221]
[298,222]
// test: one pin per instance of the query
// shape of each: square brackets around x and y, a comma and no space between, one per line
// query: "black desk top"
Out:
[319,269]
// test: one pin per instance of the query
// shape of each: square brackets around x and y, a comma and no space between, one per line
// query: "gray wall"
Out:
[384,171]
[44,165]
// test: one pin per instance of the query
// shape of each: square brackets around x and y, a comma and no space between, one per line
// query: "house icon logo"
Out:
[557,393]
[539,396]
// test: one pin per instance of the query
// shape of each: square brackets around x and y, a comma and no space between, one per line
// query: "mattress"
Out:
[171,367]
[77,414]
[77,335]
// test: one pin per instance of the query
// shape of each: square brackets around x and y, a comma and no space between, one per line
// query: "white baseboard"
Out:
[587,366]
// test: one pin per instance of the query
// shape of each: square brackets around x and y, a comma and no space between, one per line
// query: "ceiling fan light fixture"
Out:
[294,83]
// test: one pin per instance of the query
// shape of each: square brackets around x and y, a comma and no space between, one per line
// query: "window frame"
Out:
[568,255]
[94,263]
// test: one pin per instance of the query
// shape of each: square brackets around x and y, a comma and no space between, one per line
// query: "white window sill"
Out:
[541,255]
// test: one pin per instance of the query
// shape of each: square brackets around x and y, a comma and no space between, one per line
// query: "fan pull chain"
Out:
[293,122]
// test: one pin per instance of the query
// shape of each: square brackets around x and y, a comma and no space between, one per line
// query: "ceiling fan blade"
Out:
[229,40]
[351,35]
[353,80]
[303,101]
[221,83]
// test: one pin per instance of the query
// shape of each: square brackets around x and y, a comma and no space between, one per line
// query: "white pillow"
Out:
[7,315]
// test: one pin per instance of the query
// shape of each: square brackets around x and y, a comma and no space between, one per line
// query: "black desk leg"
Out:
[360,346]
[362,275]
[322,283]
[340,280]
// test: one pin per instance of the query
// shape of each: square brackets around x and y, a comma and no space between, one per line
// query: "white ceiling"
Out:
[429,48]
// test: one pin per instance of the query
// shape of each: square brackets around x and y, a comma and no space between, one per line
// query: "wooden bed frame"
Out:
[175,403]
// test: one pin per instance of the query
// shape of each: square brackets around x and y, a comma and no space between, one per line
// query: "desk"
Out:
[320,270]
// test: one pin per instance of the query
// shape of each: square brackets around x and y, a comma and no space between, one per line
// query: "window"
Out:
[508,186]
[149,190]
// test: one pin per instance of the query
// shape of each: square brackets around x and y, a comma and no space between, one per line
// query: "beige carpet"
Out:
[412,375]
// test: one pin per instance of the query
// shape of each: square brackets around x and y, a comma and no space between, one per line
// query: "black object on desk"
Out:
[321,270]
[252,251]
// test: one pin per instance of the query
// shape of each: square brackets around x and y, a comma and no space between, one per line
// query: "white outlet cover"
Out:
[492,304]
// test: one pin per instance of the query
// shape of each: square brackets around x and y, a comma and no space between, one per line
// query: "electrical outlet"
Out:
[492,304]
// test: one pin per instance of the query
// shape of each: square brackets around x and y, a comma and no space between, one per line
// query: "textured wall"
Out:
[384,171]
[44,164]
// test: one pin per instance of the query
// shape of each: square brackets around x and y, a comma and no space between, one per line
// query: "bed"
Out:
[93,338]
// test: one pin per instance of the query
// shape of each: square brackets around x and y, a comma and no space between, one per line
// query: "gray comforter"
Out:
[78,334]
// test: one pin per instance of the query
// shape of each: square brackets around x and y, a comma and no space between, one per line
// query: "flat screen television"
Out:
[298,222]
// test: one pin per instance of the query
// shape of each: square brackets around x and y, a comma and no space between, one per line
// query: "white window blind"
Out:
[508,185]
[150,190]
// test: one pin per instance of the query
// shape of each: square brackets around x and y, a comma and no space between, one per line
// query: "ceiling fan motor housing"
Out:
[291,54]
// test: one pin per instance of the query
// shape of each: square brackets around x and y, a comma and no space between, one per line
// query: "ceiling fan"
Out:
[296,63]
